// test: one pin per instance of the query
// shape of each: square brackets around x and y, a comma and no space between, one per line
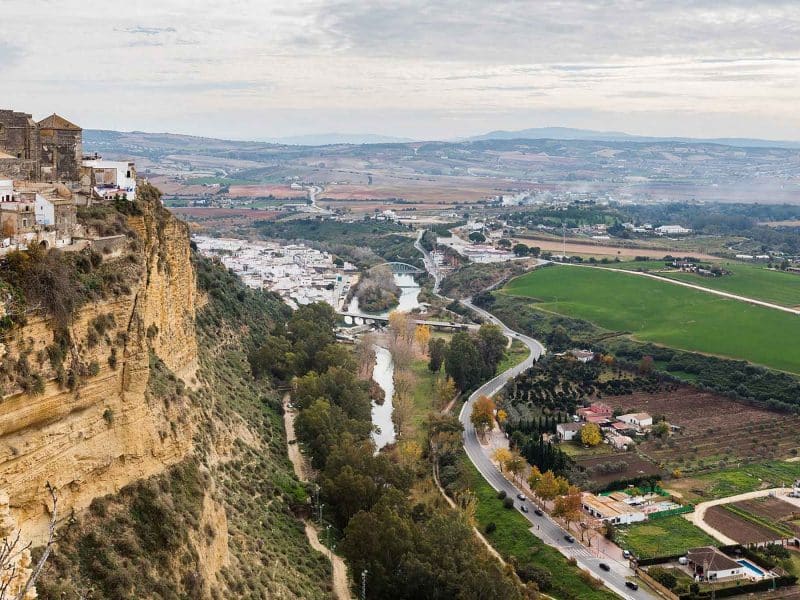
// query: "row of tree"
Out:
[397,540]
[469,359]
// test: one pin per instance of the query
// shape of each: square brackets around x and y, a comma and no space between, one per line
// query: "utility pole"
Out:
[319,520]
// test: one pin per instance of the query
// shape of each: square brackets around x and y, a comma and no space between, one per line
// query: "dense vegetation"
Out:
[476,277]
[390,518]
[365,243]
[741,223]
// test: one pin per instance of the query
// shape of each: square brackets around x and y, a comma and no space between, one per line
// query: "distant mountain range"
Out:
[568,133]
[327,139]
[108,140]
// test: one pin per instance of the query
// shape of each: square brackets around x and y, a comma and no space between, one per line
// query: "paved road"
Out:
[548,531]
[430,264]
[544,527]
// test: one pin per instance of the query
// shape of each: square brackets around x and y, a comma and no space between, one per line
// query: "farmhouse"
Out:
[611,509]
[672,230]
[583,356]
[597,409]
[567,431]
[709,563]
[620,442]
[641,419]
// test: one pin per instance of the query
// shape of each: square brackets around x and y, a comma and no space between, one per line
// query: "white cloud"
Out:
[404,67]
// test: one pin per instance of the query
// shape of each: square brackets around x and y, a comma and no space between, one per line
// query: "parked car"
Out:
[539,512]
[632,584]
[523,508]
[626,553]
[521,497]
[605,567]
[569,538]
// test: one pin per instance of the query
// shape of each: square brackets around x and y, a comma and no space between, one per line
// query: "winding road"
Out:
[550,532]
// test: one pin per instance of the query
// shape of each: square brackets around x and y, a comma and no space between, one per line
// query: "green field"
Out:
[669,536]
[738,480]
[513,538]
[665,313]
[751,280]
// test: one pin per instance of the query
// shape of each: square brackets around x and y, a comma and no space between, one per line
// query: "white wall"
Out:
[45,211]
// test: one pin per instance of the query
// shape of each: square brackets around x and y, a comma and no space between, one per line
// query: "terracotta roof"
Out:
[55,121]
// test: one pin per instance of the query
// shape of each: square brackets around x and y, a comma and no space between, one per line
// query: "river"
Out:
[409,298]
[383,374]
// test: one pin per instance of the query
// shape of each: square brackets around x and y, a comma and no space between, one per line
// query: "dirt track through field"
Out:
[341,583]
[698,516]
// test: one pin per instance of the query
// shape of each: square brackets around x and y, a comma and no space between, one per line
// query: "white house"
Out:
[6,190]
[45,211]
[611,510]
[672,230]
[641,419]
[567,431]
[112,178]
[710,564]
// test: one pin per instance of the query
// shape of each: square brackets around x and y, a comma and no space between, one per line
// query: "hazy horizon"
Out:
[408,69]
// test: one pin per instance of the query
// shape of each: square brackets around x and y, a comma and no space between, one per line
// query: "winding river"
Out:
[383,374]
[409,298]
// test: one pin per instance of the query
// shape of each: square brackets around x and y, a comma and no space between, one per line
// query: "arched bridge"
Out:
[401,268]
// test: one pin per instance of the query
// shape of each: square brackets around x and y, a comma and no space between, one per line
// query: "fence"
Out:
[656,586]
[681,510]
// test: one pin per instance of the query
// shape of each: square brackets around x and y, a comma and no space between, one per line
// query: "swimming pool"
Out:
[751,567]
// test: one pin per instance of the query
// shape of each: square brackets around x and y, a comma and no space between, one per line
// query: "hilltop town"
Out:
[45,177]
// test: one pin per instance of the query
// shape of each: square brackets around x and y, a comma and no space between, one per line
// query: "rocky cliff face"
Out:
[108,429]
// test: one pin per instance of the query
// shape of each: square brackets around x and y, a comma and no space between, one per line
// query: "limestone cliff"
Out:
[91,436]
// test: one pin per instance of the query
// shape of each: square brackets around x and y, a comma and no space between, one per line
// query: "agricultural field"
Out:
[739,528]
[666,314]
[708,437]
[605,469]
[784,515]
[736,480]
[669,536]
[750,280]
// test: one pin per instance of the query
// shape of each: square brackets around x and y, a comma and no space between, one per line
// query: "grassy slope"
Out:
[135,544]
[753,281]
[662,537]
[512,539]
[666,314]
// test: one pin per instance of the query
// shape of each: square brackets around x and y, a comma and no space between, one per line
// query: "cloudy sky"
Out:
[259,69]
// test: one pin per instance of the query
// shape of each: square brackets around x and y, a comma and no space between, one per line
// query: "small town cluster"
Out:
[298,273]
[44,177]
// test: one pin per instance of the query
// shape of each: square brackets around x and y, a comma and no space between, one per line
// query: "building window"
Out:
[128,175]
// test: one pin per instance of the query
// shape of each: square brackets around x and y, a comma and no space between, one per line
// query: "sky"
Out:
[259,69]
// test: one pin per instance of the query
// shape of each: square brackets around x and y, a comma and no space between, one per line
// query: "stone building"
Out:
[50,150]
[19,146]
[61,149]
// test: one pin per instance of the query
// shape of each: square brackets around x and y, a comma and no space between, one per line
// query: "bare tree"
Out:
[15,556]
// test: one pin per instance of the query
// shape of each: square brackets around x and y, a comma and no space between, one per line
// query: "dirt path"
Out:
[698,516]
[341,583]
